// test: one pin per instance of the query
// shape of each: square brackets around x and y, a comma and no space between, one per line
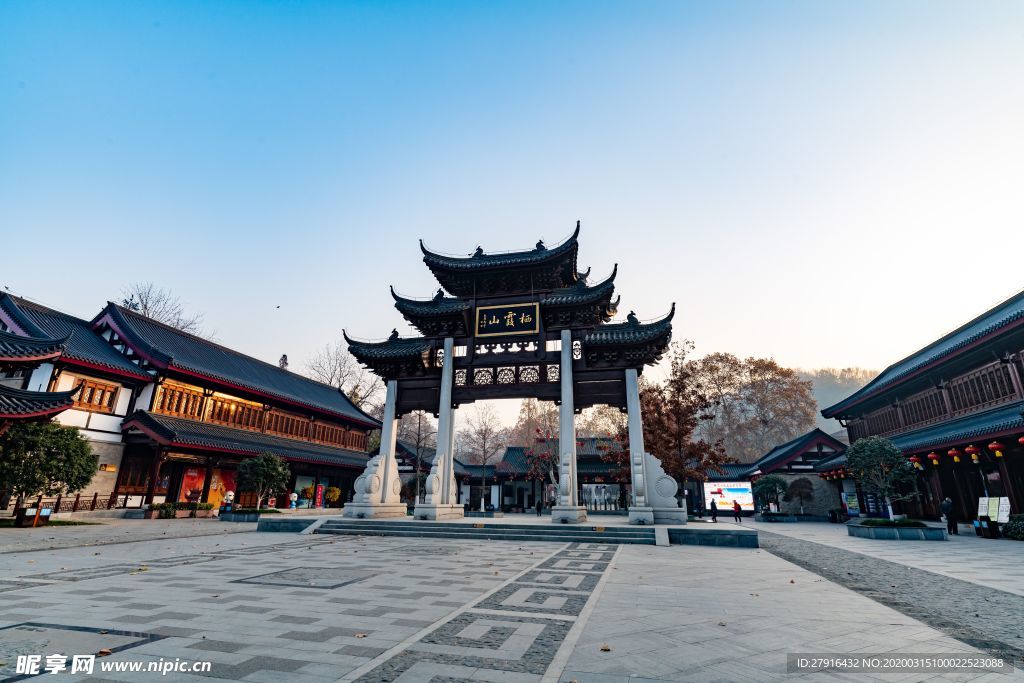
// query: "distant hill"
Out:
[832,385]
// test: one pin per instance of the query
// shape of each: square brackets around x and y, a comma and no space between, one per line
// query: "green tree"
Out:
[263,475]
[879,467]
[769,488]
[801,489]
[44,458]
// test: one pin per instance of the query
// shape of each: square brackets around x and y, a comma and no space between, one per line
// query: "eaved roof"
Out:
[171,348]
[1008,314]
[19,404]
[15,348]
[782,454]
[82,346]
[180,433]
[1005,420]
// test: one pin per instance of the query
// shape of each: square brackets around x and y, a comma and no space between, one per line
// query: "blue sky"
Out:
[830,184]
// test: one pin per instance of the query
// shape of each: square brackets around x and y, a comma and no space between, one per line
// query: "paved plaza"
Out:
[280,606]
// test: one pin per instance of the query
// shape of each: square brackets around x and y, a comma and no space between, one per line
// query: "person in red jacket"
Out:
[736,512]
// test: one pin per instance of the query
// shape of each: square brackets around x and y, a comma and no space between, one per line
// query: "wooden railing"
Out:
[982,388]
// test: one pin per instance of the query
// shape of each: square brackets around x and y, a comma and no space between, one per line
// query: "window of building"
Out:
[95,396]
[174,399]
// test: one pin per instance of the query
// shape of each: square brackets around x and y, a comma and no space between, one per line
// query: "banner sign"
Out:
[725,492]
[852,504]
[497,321]
[319,496]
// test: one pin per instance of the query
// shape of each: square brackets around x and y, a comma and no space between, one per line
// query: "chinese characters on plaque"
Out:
[493,321]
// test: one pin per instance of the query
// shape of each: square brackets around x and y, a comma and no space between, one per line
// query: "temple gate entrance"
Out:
[524,324]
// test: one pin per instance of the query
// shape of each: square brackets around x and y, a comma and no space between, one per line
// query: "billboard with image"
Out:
[725,492]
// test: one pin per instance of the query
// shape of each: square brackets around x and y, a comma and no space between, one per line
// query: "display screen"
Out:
[725,492]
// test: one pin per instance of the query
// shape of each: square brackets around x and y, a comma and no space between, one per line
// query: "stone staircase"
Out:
[585,533]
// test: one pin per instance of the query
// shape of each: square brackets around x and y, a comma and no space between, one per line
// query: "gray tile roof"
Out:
[1009,313]
[189,433]
[19,404]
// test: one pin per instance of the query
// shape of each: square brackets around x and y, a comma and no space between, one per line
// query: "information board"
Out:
[993,508]
[1004,511]
[725,492]
[983,507]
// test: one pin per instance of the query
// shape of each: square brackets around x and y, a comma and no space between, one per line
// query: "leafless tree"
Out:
[483,439]
[419,430]
[161,305]
[335,366]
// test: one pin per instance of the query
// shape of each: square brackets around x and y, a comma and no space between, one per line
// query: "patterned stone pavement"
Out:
[275,607]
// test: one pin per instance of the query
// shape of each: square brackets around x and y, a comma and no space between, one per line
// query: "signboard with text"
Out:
[508,319]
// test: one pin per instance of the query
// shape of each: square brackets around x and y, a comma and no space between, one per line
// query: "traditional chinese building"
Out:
[19,357]
[526,324]
[171,415]
[954,409]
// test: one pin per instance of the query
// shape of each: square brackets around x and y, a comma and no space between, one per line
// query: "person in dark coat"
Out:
[736,509]
[539,505]
[714,511]
[948,511]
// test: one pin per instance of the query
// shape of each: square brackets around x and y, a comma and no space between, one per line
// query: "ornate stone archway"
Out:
[524,324]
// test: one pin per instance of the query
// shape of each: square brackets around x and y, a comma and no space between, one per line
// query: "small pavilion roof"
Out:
[82,346]
[629,333]
[18,404]
[794,448]
[440,316]
[189,434]
[16,348]
[408,348]
[168,347]
[539,269]
[1001,318]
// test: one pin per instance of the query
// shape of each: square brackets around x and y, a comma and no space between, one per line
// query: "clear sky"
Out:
[827,183]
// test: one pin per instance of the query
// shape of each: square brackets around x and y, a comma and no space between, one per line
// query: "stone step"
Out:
[458,527]
[485,534]
[590,536]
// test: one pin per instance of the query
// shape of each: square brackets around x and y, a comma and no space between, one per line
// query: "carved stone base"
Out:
[430,511]
[374,510]
[639,515]
[571,514]
[670,515]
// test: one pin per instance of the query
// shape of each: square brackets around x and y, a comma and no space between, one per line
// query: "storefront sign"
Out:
[497,321]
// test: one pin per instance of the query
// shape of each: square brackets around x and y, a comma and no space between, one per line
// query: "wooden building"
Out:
[171,414]
[954,409]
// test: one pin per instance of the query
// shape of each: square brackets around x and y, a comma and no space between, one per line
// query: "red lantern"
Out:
[916,461]
[973,451]
[954,453]
[996,448]
[1021,441]
[934,457]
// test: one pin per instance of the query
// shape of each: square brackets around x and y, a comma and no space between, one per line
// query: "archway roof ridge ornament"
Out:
[482,259]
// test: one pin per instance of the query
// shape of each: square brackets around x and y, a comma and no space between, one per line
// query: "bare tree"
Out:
[160,305]
[600,421]
[335,366]
[419,430]
[484,440]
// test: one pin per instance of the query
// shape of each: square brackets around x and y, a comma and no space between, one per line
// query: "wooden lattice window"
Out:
[96,397]
[979,389]
[234,413]
[179,401]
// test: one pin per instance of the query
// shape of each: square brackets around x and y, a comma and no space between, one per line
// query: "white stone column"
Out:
[440,499]
[568,509]
[654,491]
[377,488]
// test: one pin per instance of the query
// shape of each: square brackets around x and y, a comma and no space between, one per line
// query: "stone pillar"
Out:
[568,510]
[377,488]
[654,492]
[441,500]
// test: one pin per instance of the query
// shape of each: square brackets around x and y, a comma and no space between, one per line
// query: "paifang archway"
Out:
[524,324]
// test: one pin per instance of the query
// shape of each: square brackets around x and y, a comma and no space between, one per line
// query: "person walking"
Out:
[714,511]
[736,509]
[539,505]
[948,512]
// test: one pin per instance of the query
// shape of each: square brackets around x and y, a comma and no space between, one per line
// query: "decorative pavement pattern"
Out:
[314,609]
[513,633]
